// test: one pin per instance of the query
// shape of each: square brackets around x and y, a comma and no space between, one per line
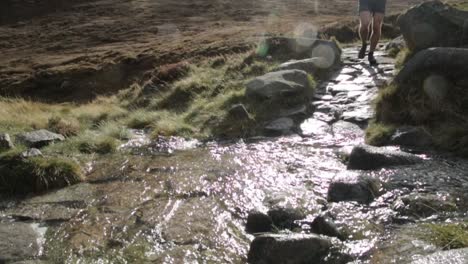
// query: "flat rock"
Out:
[39,138]
[411,137]
[327,118]
[345,87]
[280,126]
[343,130]
[42,212]
[311,65]
[277,85]
[364,157]
[19,242]
[359,113]
[313,127]
[60,205]
[292,249]
[454,256]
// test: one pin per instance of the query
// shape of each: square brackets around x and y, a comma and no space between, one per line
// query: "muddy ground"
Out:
[61,50]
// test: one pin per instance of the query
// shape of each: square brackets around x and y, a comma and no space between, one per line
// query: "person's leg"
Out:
[376,33]
[376,30]
[364,26]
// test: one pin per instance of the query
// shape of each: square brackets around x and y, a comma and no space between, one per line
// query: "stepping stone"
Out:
[364,157]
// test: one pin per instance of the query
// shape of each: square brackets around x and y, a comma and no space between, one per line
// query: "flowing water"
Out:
[179,201]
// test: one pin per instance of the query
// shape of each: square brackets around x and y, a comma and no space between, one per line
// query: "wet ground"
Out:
[178,201]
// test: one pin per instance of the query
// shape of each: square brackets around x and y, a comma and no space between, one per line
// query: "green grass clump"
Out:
[64,127]
[20,175]
[402,57]
[448,236]
[463,5]
[171,124]
[378,134]
[393,52]
[141,119]
[115,130]
[101,145]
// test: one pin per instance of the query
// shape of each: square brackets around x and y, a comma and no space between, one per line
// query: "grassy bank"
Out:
[190,100]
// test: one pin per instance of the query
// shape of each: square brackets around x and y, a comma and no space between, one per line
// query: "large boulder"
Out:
[39,138]
[434,24]
[19,242]
[280,84]
[293,249]
[364,157]
[449,61]
[454,256]
[300,48]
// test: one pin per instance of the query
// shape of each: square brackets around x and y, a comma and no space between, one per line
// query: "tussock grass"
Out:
[68,128]
[20,175]
[115,130]
[189,100]
[410,103]
[378,134]
[140,119]
[401,57]
[463,5]
[448,236]
[19,114]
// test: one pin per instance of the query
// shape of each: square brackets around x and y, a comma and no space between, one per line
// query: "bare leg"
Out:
[376,30]
[364,18]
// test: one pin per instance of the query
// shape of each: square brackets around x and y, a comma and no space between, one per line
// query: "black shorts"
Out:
[373,6]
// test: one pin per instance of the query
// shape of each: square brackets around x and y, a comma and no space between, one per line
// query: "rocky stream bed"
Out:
[182,201]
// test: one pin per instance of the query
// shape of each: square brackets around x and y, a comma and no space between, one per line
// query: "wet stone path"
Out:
[186,202]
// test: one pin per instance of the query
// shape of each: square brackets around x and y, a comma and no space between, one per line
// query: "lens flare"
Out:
[305,34]
[436,87]
[327,54]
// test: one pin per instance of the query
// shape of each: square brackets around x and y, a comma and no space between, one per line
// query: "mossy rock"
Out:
[19,175]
